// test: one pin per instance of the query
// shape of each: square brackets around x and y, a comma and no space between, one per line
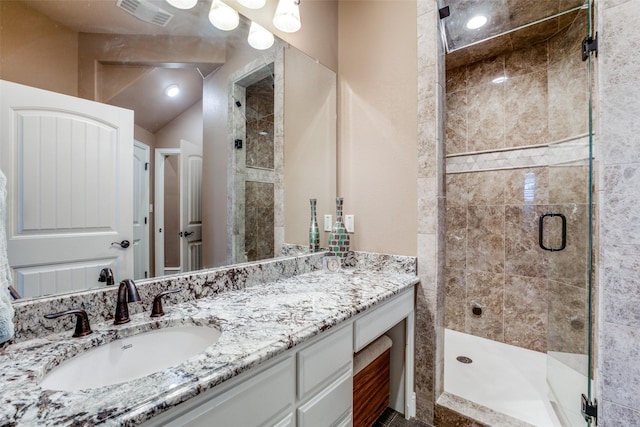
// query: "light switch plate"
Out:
[350,223]
[328,222]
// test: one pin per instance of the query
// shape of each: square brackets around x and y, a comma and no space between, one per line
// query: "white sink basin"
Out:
[130,358]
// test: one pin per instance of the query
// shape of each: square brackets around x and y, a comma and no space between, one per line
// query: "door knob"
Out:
[186,233]
[124,244]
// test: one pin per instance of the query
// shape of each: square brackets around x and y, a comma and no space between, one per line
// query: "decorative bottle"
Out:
[314,231]
[338,238]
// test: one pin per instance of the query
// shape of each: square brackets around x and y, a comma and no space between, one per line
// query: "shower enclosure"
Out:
[519,264]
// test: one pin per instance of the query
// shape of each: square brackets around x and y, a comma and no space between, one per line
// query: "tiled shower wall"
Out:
[502,174]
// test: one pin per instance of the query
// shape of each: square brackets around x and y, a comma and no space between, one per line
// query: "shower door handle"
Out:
[541,232]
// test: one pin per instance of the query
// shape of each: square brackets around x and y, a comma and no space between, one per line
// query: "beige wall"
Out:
[187,125]
[36,51]
[377,168]
[309,148]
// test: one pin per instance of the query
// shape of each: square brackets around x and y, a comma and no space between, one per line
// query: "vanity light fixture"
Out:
[252,4]
[287,17]
[476,22]
[259,38]
[172,91]
[223,17]
[182,4]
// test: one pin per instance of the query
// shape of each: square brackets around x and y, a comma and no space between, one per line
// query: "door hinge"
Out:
[589,44]
[146,275]
[146,166]
[590,409]
[145,219]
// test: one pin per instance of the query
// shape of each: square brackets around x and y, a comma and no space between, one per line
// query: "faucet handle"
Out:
[106,275]
[157,311]
[82,321]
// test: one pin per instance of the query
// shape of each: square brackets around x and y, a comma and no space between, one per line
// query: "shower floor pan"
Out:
[500,380]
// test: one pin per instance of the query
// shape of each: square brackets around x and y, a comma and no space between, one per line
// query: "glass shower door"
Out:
[567,232]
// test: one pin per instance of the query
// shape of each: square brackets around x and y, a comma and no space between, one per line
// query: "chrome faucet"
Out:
[106,275]
[127,292]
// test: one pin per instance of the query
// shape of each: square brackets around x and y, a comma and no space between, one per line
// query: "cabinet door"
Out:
[330,407]
[265,399]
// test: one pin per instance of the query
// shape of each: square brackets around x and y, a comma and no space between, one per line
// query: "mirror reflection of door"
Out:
[141,219]
[178,236]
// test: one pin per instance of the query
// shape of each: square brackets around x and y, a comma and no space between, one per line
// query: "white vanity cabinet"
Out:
[310,385]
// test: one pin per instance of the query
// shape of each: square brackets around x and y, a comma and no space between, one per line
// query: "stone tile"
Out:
[567,322]
[526,61]
[457,190]
[487,290]
[526,186]
[523,255]
[456,123]
[569,266]
[485,117]
[622,285]
[485,239]
[613,415]
[619,65]
[620,370]
[456,80]
[483,72]
[526,109]
[619,113]
[455,299]
[569,184]
[456,237]
[486,188]
[525,312]
[620,198]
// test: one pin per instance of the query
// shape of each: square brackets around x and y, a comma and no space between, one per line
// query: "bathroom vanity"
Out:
[284,357]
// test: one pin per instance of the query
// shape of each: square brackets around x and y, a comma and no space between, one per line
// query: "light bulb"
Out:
[182,4]
[287,17]
[252,4]
[476,22]
[259,38]
[172,90]
[223,17]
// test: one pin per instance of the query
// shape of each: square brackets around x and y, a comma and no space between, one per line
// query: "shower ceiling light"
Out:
[182,4]
[259,37]
[172,91]
[500,79]
[223,17]
[287,17]
[252,4]
[476,22]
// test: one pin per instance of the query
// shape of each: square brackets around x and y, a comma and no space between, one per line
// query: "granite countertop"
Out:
[257,324]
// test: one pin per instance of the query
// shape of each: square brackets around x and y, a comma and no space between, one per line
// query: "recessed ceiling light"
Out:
[172,90]
[476,22]
[500,79]
[182,4]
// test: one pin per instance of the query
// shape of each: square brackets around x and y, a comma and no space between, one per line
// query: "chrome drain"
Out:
[464,359]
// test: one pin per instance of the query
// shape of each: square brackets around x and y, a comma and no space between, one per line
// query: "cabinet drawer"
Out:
[381,319]
[319,363]
[262,400]
[330,407]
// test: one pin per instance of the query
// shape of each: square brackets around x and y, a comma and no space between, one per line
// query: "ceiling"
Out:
[511,25]
[145,95]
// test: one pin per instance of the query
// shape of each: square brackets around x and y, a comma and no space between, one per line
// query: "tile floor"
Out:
[391,418]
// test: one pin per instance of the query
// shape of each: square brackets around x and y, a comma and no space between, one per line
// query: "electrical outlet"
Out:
[328,222]
[350,223]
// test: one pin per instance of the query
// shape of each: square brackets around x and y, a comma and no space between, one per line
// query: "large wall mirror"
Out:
[220,173]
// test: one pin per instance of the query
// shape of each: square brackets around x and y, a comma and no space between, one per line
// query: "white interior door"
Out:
[190,206]
[68,163]
[141,155]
